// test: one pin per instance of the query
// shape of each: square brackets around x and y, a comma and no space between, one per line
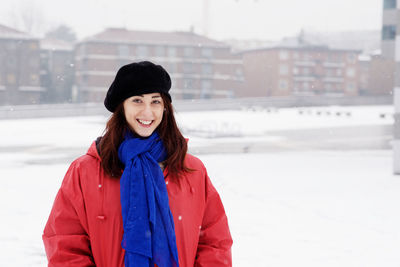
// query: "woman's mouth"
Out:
[145,123]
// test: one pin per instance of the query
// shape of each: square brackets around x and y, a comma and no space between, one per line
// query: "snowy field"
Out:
[300,207]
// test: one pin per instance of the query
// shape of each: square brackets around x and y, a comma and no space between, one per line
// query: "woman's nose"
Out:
[147,110]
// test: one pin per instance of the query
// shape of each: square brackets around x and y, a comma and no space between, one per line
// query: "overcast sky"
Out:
[239,19]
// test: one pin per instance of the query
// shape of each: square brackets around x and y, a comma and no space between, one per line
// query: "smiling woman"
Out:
[144,113]
[137,198]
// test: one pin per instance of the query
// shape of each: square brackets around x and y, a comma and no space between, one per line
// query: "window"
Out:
[33,46]
[328,86]
[11,63]
[296,86]
[334,57]
[306,56]
[188,52]
[389,4]
[11,79]
[171,51]
[85,79]
[206,85]
[306,71]
[207,69]
[141,51]
[339,72]
[82,49]
[283,55]
[295,71]
[351,58]
[188,67]
[206,89]
[171,67]
[11,45]
[283,84]
[160,51]
[187,95]
[388,32]
[207,52]
[123,51]
[350,87]
[34,62]
[34,79]
[188,84]
[350,72]
[283,69]
[306,85]
[85,64]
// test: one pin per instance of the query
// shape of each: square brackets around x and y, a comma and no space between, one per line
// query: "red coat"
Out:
[85,224]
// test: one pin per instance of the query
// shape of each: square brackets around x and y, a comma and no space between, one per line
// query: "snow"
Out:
[301,207]
[310,208]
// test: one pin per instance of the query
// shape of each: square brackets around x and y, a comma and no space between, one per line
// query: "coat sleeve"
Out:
[65,235]
[215,241]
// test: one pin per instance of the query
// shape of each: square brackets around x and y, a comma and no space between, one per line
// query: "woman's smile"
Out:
[145,123]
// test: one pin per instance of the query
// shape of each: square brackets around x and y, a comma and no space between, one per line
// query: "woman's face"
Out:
[144,113]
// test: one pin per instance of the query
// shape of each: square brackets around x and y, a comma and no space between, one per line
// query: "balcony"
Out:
[304,78]
[305,63]
[333,64]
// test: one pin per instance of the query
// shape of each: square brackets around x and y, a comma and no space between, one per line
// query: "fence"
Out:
[90,109]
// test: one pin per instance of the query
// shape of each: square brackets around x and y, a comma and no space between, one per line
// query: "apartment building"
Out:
[20,68]
[389,26]
[300,70]
[57,70]
[199,67]
[376,75]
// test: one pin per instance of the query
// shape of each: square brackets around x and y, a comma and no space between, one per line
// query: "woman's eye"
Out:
[156,102]
[136,100]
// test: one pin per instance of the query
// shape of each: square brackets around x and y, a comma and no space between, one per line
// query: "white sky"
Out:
[240,19]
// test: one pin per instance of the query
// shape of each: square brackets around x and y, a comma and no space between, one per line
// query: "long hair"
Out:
[114,133]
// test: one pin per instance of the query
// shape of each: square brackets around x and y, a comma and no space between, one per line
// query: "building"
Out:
[390,50]
[20,68]
[199,67]
[376,75]
[389,28]
[57,70]
[300,70]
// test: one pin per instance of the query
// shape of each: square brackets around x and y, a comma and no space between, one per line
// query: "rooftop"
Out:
[10,33]
[122,35]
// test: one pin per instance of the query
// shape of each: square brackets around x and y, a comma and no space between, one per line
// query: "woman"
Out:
[137,198]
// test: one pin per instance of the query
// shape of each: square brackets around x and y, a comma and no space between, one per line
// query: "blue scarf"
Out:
[149,233]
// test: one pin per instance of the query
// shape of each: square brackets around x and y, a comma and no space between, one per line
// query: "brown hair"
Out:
[116,127]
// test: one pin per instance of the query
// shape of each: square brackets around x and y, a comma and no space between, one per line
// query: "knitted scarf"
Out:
[149,233]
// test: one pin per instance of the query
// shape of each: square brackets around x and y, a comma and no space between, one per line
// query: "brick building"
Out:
[376,75]
[56,70]
[300,70]
[20,68]
[199,67]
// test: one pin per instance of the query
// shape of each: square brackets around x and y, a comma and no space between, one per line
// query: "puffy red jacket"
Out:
[85,224]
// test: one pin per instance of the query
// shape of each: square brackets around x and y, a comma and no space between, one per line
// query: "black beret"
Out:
[136,79]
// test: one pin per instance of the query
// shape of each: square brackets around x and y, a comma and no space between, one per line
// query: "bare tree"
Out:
[62,32]
[28,17]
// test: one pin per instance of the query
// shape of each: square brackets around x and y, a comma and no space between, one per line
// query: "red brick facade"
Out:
[284,71]
[199,67]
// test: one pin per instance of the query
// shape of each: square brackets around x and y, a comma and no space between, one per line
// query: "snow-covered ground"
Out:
[285,208]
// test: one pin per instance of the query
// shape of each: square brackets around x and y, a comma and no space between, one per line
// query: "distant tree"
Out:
[28,17]
[62,32]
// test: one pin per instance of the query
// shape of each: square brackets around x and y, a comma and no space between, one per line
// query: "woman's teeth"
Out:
[145,122]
